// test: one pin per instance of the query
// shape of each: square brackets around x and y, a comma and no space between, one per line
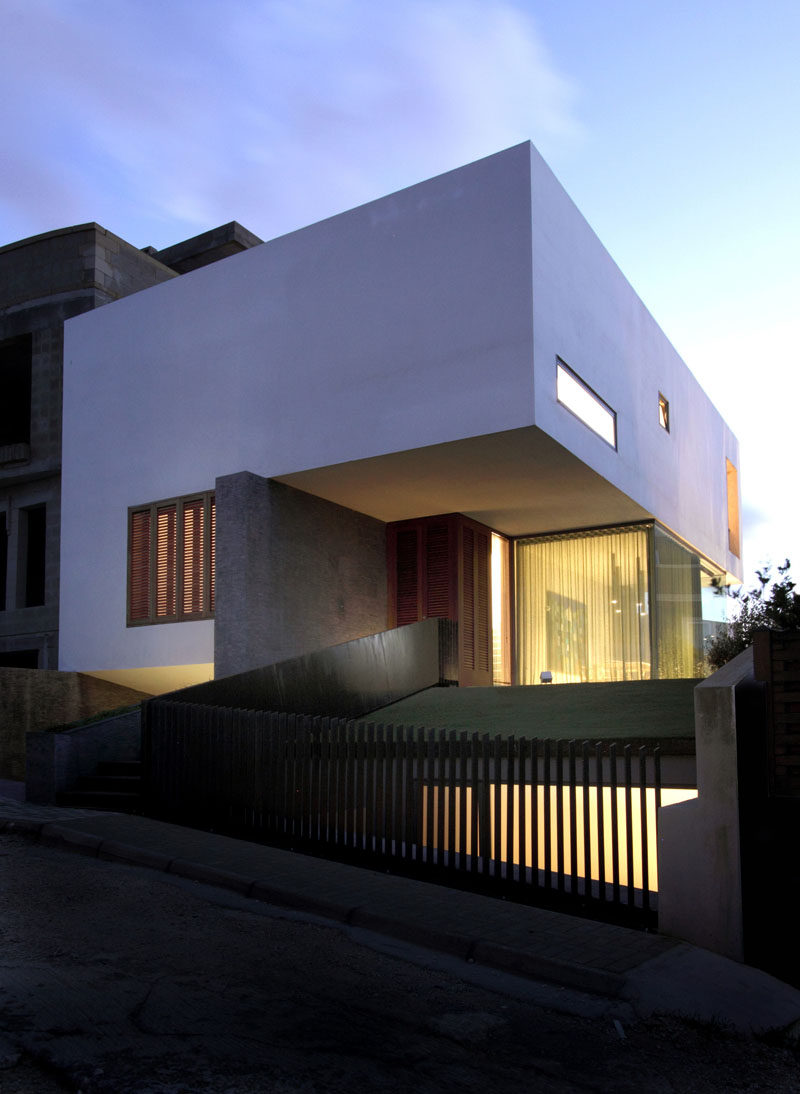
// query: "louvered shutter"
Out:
[212,576]
[482,594]
[139,567]
[407,595]
[437,570]
[166,558]
[193,577]
[467,620]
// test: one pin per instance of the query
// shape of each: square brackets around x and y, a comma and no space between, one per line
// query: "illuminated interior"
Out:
[601,807]
[611,604]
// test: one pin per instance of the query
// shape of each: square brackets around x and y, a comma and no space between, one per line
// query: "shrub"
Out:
[772,603]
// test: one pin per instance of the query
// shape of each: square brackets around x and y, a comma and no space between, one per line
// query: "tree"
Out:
[772,603]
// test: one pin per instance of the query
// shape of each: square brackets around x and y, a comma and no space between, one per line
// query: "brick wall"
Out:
[777,663]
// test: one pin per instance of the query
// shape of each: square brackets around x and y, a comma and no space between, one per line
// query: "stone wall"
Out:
[294,574]
[32,700]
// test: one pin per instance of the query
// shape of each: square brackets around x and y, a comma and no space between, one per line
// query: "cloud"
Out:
[170,118]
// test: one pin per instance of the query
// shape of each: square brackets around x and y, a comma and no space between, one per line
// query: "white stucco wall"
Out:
[585,312]
[402,323]
[431,315]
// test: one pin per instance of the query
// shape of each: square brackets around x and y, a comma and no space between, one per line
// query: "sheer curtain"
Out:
[582,606]
[679,612]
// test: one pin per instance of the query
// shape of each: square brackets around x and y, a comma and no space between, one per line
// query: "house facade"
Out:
[448,401]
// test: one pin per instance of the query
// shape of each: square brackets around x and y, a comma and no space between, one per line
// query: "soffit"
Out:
[518,482]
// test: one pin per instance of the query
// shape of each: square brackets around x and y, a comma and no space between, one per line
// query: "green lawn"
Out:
[640,710]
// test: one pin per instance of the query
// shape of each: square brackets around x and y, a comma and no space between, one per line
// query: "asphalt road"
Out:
[116,979]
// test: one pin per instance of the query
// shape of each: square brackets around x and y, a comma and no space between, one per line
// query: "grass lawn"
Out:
[635,710]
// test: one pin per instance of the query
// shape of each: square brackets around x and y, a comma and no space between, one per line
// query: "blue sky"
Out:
[673,127]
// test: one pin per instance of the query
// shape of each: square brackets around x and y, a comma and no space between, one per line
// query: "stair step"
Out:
[127,784]
[119,767]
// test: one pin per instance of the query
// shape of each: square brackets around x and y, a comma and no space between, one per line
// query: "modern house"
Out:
[45,280]
[446,402]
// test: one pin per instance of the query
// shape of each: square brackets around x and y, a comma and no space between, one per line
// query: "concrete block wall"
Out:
[295,574]
[44,281]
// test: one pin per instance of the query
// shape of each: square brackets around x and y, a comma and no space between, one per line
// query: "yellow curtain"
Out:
[679,622]
[582,607]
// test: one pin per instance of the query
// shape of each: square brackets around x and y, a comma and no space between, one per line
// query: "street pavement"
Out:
[651,973]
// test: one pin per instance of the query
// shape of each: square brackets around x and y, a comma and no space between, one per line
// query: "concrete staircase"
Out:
[115,786]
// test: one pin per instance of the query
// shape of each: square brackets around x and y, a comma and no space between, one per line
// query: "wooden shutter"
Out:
[483,638]
[408,584]
[437,571]
[212,576]
[139,566]
[166,560]
[193,577]
[467,617]
[474,619]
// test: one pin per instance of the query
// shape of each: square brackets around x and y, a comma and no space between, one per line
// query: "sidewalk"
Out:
[652,973]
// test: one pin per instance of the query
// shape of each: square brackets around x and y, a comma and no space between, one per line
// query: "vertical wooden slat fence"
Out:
[550,819]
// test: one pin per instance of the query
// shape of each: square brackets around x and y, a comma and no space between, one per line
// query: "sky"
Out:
[675,128]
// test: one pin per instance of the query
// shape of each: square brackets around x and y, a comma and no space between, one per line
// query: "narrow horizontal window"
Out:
[578,397]
[171,560]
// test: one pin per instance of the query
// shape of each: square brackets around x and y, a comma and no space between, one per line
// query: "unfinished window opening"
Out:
[3,560]
[585,404]
[33,543]
[171,560]
[15,391]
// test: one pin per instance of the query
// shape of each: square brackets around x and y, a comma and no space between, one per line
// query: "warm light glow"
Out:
[501,638]
[732,476]
[590,408]
[634,869]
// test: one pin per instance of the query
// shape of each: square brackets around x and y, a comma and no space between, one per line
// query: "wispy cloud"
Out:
[163,119]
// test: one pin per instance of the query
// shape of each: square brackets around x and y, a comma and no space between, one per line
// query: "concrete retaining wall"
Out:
[343,681]
[56,760]
[32,700]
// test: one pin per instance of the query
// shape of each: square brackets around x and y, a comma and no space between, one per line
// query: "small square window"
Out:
[663,412]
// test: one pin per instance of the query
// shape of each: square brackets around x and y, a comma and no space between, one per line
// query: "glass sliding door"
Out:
[678,608]
[582,606]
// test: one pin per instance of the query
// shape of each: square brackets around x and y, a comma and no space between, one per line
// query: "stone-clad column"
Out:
[294,573]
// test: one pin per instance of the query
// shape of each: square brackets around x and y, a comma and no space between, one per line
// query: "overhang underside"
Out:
[519,482]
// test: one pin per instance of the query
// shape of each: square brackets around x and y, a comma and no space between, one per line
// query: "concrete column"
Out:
[294,574]
[699,858]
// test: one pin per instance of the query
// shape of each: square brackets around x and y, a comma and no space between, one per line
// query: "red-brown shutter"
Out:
[139,574]
[212,577]
[437,571]
[467,621]
[482,592]
[166,557]
[193,557]
[407,576]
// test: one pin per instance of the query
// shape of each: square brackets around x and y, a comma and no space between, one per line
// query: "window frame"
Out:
[562,368]
[207,560]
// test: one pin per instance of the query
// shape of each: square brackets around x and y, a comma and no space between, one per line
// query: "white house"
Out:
[448,401]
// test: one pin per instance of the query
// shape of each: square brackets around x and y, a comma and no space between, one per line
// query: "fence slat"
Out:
[476,803]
